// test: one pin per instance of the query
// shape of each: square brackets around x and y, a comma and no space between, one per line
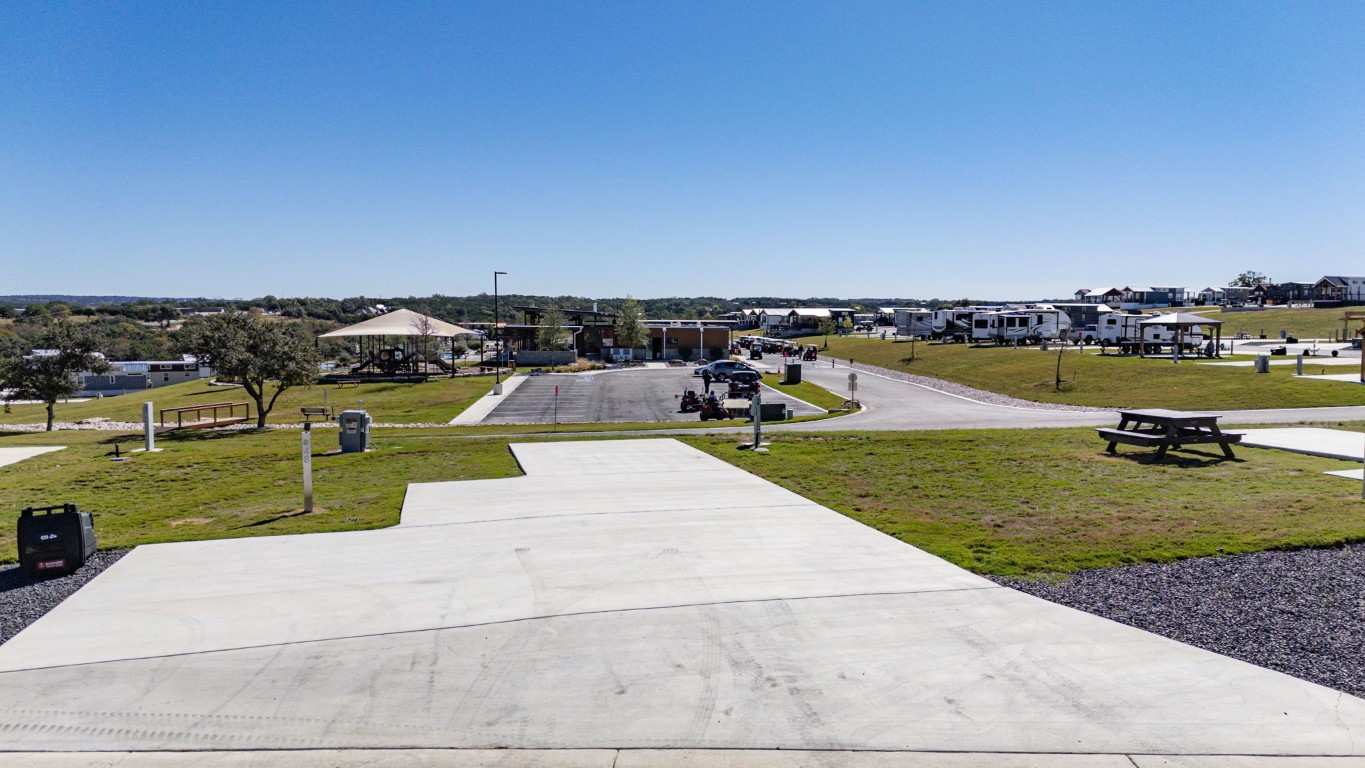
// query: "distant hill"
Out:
[78,301]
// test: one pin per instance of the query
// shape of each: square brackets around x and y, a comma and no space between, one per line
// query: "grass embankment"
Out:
[1107,381]
[436,400]
[814,394]
[1051,501]
[1001,502]
[1304,323]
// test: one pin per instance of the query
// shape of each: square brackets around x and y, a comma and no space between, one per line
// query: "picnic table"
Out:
[1165,429]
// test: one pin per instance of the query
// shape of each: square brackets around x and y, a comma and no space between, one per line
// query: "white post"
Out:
[757,405]
[307,467]
[148,430]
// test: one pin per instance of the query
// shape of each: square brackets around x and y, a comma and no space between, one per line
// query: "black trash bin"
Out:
[793,374]
[55,541]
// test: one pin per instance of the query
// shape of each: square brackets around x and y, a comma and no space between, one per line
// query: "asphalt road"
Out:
[635,394]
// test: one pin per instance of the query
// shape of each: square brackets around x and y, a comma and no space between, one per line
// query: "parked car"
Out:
[721,369]
[744,383]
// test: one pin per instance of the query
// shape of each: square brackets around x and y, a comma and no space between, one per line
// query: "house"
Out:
[1212,296]
[1282,293]
[1339,290]
[1143,296]
[140,375]
[688,339]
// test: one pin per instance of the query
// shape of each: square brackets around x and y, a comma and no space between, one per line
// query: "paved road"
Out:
[637,394]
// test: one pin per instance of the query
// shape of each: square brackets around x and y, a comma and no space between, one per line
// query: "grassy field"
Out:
[437,400]
[1000,502]
[1099,380]
[812,393]
[1051,501]
[1303,323]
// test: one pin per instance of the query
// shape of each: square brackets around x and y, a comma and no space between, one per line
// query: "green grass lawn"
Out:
[1101,380]
[1303,323]
[1015,502]
[814,394]
[436,400]
[1001,501]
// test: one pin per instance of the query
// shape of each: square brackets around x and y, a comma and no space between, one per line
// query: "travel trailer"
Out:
[955,324]
[1021,326]
[914,321]
[1123,329]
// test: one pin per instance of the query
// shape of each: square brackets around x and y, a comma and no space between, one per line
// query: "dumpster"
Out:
[792,374]
[55,541]
[354,431]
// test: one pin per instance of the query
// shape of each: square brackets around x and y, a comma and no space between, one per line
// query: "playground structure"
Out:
[402,345]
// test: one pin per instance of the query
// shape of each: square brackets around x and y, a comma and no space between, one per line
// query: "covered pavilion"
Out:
[423,340]
[1182,323]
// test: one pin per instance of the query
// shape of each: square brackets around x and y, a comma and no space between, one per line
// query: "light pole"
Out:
[497,362]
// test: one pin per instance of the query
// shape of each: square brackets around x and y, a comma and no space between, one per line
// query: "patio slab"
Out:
[628,602]
[17,454]
[1313,441]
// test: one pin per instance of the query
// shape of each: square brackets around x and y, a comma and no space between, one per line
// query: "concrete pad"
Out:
[15,455]
[479,409]
[1349,474]
[320,758]
[1313,441]
[592,622]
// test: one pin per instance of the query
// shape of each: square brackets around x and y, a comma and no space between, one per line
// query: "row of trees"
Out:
[265,356]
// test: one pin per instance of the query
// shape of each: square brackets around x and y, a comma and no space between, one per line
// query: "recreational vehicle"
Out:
[1024,326]
[914,321]
[955,324]
[1124,330]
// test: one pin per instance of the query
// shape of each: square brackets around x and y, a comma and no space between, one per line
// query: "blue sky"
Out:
[992,150]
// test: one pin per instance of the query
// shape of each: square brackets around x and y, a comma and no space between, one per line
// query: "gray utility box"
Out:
[792,374]
[773,411]
[55,541]
[354,431]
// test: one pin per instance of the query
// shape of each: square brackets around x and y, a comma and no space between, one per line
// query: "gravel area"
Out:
[24,600]
[971,393]
[1300,612]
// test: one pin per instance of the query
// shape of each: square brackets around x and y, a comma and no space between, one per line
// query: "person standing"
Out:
[706,380]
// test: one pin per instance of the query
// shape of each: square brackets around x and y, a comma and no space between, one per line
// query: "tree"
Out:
[551,334]
[1249,279]
[67,351]
[254,352]
[827,326]
[630,327]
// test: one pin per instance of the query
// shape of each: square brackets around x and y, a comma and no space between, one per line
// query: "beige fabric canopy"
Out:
[401,322]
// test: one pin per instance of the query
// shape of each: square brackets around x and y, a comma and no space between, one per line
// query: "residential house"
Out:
[1339,290]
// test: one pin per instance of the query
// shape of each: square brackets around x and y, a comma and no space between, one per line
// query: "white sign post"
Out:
[853,386]
[147,429]
[307,467]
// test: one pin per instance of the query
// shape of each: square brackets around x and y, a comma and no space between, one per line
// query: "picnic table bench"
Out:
[346,382]
[1164,429]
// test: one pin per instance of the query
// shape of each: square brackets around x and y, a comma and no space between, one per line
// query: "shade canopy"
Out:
[1173,319]
[401,322]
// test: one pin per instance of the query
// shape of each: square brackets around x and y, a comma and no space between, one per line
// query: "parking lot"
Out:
[634,394]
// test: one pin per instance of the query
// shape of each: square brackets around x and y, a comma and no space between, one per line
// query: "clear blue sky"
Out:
[1002,150]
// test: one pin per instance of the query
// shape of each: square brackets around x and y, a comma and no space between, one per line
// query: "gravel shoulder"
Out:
[1299,612]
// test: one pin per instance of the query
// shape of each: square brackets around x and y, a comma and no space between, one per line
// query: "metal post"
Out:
[1298,368]
[497,361]
[307,467]
[757,405]
[148,430]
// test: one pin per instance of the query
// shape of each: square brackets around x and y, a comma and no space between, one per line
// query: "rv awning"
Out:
[401,322]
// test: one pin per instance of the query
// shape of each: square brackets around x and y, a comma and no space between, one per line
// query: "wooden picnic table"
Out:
[1165,429]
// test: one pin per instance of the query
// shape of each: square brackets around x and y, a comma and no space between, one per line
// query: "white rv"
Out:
[1021,326]
[1119,328]
[914,321]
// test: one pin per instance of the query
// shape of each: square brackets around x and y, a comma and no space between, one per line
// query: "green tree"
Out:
[827,326]
[551,333]
[254,352]
[68,350]
[630,327]
[1249,279]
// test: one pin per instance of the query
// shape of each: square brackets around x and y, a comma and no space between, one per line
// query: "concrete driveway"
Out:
[627,603]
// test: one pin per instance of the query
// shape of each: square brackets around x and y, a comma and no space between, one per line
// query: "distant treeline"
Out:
[455,309]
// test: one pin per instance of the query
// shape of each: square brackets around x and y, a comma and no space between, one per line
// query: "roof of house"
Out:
[401,322]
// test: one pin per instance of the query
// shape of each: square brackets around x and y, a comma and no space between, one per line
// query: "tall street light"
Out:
[497,363]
